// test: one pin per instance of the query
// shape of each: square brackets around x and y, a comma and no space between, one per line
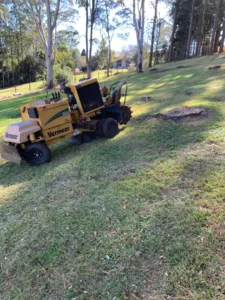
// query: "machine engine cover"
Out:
[90,96]
[18,132]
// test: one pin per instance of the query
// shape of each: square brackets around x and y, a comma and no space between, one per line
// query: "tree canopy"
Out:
[42,33]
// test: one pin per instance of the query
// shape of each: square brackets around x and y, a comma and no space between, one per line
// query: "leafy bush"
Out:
[131,69]
[30,68]
[63,74]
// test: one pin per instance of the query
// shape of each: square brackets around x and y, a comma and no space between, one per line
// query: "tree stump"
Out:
[214,68]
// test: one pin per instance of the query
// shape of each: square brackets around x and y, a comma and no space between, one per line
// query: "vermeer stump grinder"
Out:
[89,111]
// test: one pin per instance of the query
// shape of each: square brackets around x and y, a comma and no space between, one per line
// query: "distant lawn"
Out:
[140,216]
[23,88]
[40,85]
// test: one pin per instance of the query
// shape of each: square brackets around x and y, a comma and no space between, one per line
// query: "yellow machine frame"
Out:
[47,121]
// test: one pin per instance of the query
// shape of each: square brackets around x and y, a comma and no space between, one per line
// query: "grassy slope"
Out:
[138,216]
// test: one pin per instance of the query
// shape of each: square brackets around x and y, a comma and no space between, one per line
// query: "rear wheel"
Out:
[99,127]
[37,154]
[109,128]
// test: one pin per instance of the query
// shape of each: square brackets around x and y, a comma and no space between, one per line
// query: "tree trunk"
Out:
[86,40]
[48,49]
[91,37]
[12,62]
[109,56]
[153,34]
[198,47]
[223,38]
[139,29]
[8,78]
[157,44]
[142,35]
[194,48]
[36,12]
[170,54]
[190,29]
[3,79]
[109,39]
[202,30]
[89,42]
[137,33]
[216,43]
[214,27]
[49,65]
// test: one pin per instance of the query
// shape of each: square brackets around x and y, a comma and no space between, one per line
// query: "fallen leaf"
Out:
[112,233]
[202,240]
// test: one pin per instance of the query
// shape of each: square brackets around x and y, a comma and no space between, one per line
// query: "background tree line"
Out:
[32,46]
[198,28]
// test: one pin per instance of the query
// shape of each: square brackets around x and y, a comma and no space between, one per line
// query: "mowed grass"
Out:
[140,216]
[23,88]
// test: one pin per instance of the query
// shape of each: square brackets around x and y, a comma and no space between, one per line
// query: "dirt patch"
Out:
[4,97]
[183,67]
[145,99]
[154,70]
[170,69]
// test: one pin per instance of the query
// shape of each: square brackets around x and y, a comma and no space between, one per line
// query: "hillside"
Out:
[140,216]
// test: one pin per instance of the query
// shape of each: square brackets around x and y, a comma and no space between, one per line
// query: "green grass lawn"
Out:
[140,216]
[23,88]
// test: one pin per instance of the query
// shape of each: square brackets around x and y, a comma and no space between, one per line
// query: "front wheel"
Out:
[37,154]
[109,128]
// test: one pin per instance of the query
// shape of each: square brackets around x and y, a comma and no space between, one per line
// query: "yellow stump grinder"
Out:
[89,111]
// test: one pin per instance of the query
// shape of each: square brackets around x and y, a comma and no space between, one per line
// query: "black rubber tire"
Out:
[88,137]
[37,154]
[99,127]
[109,128]
[75,140]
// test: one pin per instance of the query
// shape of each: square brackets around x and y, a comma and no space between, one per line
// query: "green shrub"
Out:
[63,74]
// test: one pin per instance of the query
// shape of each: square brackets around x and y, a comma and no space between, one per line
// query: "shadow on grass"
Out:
[143,136]
[106,229]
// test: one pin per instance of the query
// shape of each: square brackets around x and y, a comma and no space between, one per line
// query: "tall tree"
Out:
[190,29]
[67,36]
[91,10]
[110,19]
[45,14]
[223,38]
[216,3]
[16,42]
[201,34]
[174,13]
[159,27]
[109,28]
[153,33]
[139,25]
